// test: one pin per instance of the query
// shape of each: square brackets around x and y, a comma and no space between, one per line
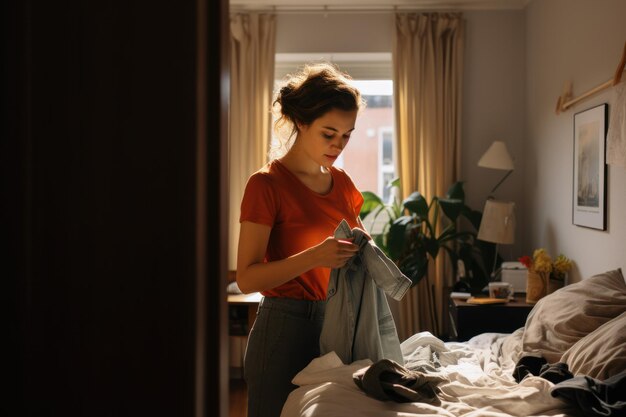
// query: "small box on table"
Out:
[515,273]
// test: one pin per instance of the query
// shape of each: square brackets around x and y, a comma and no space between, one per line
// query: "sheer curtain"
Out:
[428,68]
[253,46]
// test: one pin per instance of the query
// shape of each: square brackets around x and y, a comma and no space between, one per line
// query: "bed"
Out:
[581,326]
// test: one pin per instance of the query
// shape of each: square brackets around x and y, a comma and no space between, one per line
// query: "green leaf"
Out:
[432,246]
[396,239]
[455,192]
[456,235]
[452,208]
[416,203]
[394,183]
[370,202]
[415,267]
[404,220]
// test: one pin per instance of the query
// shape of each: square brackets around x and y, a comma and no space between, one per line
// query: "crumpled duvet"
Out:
[478,382]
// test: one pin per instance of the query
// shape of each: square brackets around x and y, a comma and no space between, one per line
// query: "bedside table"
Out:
[468,320]
[241,315]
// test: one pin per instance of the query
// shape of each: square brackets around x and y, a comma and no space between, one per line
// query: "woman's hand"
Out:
[335,253]
[254,274]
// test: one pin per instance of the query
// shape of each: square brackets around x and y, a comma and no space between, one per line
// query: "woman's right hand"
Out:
[335,253]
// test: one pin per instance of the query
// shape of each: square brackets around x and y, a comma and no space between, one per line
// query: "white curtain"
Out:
[428,68]
[253,46]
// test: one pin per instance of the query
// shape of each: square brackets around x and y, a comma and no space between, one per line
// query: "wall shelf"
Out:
[566,100]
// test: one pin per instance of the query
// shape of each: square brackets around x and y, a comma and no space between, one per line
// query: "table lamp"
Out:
[497,226]
[497,157]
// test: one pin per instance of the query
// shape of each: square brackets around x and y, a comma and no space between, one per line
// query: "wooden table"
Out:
[250,300]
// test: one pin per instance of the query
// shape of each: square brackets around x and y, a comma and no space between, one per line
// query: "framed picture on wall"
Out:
[589,196]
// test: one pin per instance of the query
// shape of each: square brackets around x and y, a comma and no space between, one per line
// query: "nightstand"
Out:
[468,320]
[241,315]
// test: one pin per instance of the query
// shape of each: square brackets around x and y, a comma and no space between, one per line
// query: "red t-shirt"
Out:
[300,218]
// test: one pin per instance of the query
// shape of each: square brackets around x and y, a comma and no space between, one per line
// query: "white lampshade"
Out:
[497,157]
[498,222]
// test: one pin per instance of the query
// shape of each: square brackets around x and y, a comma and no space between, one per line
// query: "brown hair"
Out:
[311,93]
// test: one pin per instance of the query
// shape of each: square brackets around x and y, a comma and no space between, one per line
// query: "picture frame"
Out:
[590,170]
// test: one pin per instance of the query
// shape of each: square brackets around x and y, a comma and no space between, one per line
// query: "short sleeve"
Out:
[260,201]
[358,201]
[355,195]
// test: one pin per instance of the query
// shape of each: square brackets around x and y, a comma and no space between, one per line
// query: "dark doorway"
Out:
[113,178]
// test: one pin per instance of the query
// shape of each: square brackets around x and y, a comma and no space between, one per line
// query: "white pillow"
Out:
[602,353]
[562,318]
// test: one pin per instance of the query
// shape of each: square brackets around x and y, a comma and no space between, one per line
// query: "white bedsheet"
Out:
[480,384]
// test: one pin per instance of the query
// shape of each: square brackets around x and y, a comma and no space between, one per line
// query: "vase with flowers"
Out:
[545,275]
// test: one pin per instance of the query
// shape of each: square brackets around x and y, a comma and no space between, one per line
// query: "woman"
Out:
[289,212]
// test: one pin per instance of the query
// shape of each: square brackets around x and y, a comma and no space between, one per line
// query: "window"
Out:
[386,170]
[369,156]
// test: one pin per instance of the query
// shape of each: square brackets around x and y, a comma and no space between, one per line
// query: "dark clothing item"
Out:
[555,373]
[594,397]
[387,380]
[538,366]
[282,342]
[528,365]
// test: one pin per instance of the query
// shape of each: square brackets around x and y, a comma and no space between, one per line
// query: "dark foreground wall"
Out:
[112,186]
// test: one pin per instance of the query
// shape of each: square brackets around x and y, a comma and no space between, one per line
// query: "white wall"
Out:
[334,32]
[581,41]
[493,109]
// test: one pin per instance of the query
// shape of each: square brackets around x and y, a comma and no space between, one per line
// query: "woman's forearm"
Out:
[263,276]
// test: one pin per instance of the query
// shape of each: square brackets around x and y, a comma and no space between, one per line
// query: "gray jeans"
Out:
[283,340]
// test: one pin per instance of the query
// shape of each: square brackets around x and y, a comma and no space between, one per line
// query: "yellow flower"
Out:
[542,261]
[561,265]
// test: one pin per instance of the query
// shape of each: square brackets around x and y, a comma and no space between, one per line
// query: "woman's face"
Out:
[325,138]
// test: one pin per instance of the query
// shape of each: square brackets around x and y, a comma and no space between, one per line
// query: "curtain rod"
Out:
[412,6]
[334,9]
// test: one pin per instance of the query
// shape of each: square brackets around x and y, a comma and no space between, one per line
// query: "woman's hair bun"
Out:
[312,92]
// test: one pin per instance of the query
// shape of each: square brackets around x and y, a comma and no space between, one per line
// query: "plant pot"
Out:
[536,286]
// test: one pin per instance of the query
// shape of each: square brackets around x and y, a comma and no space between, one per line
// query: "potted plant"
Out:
[409,233]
